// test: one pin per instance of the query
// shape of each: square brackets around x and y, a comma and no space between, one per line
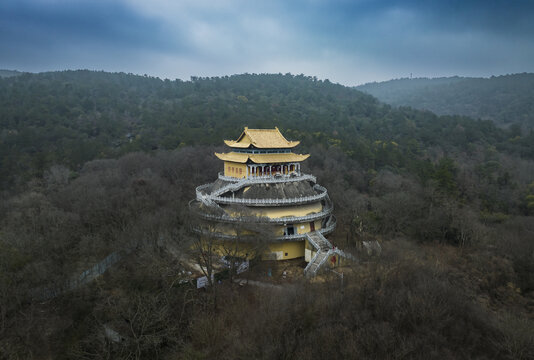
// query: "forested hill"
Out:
[507,99]
[96,169]
[71,117]
[9,73]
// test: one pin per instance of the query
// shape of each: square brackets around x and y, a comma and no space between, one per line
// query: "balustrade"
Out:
[270,178]
[269,202]
[264,219]
[206,197]
[295,237]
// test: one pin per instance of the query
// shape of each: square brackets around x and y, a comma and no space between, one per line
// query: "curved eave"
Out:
[233,157]
[235,144]
[262,158]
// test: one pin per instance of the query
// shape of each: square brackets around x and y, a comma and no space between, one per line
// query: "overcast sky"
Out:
[350,42]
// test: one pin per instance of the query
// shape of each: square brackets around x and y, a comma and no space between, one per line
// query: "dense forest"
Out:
[75,116]
[93,163]
[507,100]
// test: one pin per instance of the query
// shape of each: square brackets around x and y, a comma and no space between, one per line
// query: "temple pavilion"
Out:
[263,198]
[261,152]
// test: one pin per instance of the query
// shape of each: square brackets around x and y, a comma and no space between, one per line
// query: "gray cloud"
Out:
[347,41]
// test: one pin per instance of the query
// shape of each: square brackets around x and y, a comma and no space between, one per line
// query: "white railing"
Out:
[311,241]
[319,187]
[271,178]
[265,219]
[324,231]
[311,263]
[266,202]
[47,293]
[269,202]
[200,188]
[240,183]
[321,242]
[345,254]
[326,256]
[207,198]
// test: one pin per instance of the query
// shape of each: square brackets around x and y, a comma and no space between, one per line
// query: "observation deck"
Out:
[207,195]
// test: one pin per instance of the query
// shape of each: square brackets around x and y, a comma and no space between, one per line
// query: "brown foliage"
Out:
[431,301]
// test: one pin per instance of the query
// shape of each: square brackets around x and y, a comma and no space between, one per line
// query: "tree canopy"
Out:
[506,100]
[72,117]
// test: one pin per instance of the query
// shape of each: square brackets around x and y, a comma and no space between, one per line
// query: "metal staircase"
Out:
[323,247]
[324,250]
[319,241]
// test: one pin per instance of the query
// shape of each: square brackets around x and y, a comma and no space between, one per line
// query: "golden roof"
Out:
[262,158]
[262,139]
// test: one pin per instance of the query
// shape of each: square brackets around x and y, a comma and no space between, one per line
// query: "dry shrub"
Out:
[400,308]
[517,338]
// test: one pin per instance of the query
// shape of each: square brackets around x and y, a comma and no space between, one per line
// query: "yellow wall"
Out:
[278,230]
[229,166]
[293,249]
[305,227]
[273,251]
[300,228]
[285,211]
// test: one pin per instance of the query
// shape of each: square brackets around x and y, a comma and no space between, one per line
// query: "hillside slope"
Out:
[75,116]
[506,100]
[449,199]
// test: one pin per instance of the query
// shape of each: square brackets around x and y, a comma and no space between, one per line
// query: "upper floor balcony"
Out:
[274,178]
[251,170]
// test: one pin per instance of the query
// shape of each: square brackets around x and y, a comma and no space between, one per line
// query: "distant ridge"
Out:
[9,73]
[506,99]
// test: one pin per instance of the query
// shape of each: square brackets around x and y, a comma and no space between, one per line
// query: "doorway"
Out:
[289,230]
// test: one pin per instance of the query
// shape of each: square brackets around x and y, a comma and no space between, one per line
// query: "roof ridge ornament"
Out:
[261,139]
